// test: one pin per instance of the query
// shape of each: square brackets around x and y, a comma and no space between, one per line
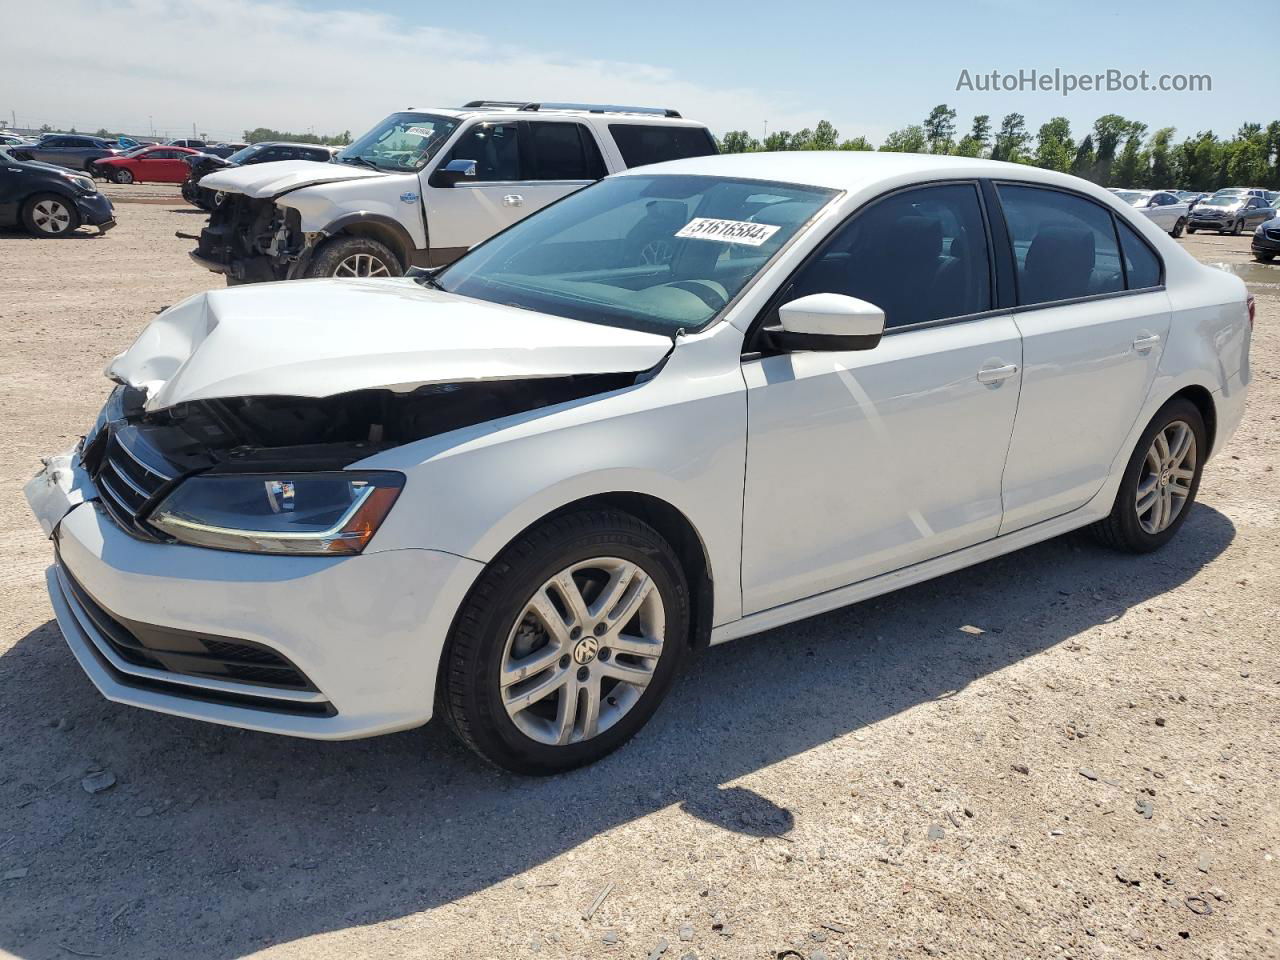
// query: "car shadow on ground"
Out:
[237,841]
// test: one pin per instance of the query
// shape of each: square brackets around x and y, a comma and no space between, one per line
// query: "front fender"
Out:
[378,199]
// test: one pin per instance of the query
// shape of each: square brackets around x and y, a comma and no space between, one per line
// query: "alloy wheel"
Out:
[1164,485]
[51,216]
[361,265]
[582,651]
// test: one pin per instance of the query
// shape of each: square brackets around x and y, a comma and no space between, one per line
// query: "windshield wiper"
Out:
[356,158]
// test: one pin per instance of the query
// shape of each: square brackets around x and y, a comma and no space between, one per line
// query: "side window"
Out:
[1141,265]
[1064,245]
[495,148]
[320,156]
[919,255]
[564,151]
[56,142]
[653,143]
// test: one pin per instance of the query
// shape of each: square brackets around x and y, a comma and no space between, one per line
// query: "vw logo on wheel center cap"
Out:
[586,650]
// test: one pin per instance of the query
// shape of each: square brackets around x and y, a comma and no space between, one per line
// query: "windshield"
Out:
[403,142]
[1231,192]
[654,253]
[1131,196]
[1219,202]
[240,156]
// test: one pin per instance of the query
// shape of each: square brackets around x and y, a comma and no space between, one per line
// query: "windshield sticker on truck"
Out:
[420,132]
[728,231]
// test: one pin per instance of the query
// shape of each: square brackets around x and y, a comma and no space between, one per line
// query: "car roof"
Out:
[849,169]
[506,113]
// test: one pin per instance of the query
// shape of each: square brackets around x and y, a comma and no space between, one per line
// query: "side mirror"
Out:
[452,173]
[828,321]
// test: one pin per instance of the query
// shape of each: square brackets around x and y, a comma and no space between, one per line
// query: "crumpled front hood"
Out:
[317,338]
[260,180]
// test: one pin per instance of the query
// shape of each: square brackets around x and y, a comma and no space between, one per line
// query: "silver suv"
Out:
[425,185]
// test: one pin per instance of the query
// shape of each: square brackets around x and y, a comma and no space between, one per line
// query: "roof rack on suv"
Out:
[585,107]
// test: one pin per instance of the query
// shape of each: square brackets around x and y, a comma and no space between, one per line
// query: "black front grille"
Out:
[1273,234]
[130,478]
[192,654]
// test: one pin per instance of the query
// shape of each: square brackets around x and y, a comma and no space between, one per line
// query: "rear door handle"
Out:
[997,374]
[1145,342]
[513,200]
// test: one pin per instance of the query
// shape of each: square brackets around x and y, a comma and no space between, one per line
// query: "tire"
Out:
[1237,228]
[1191,229]
[1179,227]
[497,618]
[346,256]
[1127,529]
[47,215]
[1264,257]
[122,176]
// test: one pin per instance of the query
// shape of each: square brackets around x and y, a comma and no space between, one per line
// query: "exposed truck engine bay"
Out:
[253,239]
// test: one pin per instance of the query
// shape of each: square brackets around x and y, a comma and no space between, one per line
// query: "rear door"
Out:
[1094,322]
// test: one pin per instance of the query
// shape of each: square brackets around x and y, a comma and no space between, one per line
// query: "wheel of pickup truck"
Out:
[354,257]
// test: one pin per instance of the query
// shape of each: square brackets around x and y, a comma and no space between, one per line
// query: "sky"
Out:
[225,66]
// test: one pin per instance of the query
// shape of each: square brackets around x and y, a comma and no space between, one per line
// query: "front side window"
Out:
[658,253]
[1064,246]
[495,148]
[564,151]
[403,142]
[651,143]
[918,255]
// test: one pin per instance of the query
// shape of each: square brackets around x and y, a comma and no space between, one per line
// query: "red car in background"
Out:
[158,164]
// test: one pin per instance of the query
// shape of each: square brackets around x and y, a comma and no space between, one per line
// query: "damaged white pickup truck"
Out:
[686,404]
[423,186]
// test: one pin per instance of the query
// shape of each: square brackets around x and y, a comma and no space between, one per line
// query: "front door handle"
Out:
[513,200]
[997,374]
[1145,342]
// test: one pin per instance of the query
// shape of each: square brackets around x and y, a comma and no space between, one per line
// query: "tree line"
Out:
[1115,152]
[262,134]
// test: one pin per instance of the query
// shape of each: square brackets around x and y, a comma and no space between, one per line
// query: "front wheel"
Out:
[1263,257]
[1179,227]
[567,643]
[1237,228]
[49,215]
[354,257]
[123,176]
[1191,229]
[1160,481]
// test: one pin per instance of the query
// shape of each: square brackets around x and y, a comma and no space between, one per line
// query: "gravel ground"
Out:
[1093,776]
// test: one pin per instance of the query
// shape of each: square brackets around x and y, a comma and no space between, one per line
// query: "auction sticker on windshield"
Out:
[728,231]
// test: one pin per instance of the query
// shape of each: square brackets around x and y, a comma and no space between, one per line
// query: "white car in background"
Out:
[424,185]
[693,402]
[1163,207]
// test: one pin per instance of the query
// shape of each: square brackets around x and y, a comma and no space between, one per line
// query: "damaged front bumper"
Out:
[252,240]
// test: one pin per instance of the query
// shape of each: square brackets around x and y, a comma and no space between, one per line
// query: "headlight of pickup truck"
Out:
[318,514]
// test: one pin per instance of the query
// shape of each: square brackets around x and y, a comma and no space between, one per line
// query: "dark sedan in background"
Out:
[269,152]
[1266,241]
[73,151]
[48,200]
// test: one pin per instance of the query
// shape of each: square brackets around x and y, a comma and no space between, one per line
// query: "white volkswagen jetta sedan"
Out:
[695,401]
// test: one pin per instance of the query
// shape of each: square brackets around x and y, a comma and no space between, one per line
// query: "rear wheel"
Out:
[1160,481]
[567,643]
[354,257]
[123,176]
[49,215]
[1179,227]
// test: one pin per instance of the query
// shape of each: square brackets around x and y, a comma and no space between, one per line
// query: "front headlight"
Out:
[85,184]
[324,514]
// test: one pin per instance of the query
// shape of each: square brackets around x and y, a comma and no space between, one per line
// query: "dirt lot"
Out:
[1093,776]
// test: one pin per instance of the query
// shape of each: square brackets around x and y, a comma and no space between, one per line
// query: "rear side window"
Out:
[1064,245]
[918,255]
[1141,265]
[640,144]
[564,151]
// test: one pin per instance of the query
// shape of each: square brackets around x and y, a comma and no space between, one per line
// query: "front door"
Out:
[521,166]
[863,462]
